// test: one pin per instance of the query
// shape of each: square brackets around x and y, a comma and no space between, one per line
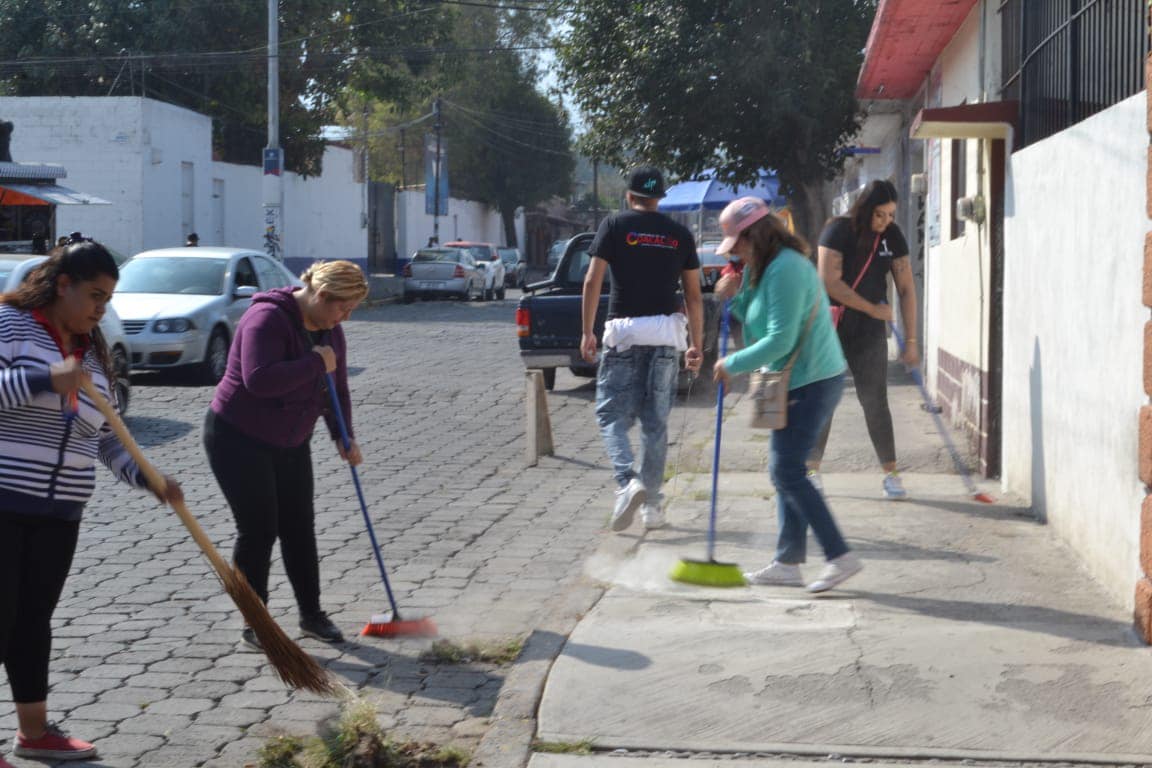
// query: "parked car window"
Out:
[196,276]
[436,255]
[246,274]
[271,274]
[578,266]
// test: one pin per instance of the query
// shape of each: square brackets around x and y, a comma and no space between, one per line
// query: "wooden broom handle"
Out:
[153,476]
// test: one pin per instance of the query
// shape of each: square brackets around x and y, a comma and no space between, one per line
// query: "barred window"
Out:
[1065,60]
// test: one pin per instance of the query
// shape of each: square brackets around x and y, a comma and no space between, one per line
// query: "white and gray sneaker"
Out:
[628,500]
[837,571]
[776,575]
[652,515]
[894,487]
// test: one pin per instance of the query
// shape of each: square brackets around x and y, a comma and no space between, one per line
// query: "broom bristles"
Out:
[292,665]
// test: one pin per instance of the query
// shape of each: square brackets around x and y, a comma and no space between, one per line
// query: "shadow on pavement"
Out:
[613,658]
[883,549]
[151,431]
[1032,618]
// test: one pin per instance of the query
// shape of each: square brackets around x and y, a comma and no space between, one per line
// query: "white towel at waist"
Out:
[649,331]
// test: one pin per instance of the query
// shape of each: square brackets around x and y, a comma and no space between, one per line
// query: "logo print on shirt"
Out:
[654,241]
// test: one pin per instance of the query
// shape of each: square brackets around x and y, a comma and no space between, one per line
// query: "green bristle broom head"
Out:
[708,573]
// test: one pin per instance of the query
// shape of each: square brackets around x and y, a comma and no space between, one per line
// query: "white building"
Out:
[153,162]
[1030,127]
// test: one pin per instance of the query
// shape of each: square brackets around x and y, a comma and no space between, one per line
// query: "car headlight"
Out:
[175,325]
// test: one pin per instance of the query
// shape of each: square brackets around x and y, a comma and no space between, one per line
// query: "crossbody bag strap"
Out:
[804,334]
[875,247]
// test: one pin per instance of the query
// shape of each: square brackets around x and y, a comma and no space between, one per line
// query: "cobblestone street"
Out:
[145,657]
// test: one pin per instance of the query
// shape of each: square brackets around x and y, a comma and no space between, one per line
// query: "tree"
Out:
[739,85]
[211,57]
[507,144]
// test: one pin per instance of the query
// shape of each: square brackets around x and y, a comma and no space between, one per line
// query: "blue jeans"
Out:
[637,383]
[798,503]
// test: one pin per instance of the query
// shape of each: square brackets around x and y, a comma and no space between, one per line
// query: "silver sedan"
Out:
[180,306]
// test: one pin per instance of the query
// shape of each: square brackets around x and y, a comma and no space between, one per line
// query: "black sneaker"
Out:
[249,641]
[319,626]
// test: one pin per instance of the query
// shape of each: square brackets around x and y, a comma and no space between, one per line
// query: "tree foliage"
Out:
[738,85]
[210,56]
[507,144]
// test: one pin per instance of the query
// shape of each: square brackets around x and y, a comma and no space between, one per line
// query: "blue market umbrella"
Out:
[709,194]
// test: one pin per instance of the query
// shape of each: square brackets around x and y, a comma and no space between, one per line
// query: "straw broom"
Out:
[295,667]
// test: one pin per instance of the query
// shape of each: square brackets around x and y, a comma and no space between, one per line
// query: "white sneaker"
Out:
[628,500]
[777,574]
[837,571]
[894,487]
[816,480]
[652,515]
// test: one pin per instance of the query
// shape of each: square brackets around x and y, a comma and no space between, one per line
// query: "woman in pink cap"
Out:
[783,306]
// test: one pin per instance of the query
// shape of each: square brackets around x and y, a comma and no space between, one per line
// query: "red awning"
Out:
[906,39]
[45,194]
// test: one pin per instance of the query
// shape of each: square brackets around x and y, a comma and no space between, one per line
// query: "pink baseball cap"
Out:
[737,216]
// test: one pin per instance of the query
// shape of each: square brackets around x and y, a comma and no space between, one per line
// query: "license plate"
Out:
[431,284]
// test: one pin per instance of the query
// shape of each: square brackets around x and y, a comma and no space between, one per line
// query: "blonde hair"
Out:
[342,280]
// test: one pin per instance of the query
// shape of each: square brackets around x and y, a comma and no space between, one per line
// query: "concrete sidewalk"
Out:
[972,633]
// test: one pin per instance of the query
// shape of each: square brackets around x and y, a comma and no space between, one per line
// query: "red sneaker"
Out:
[54,744]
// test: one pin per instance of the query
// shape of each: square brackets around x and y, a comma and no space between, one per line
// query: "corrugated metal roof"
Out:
[906,39]
[31,171]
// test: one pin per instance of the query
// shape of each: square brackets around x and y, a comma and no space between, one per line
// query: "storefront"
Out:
[29,195]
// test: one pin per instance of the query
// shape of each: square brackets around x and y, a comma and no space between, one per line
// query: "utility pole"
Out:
[403,164]
[272,188]
[436,189]
[364,165]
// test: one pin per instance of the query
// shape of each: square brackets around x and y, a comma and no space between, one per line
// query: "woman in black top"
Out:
[868,240]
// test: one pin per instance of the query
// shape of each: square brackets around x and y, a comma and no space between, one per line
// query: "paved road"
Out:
[145,659]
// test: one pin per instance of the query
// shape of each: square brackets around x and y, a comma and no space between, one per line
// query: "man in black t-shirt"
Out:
[857,253]
[650,257]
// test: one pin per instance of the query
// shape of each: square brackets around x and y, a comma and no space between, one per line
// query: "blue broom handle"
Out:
[943,430]
[339,414]
[719,426]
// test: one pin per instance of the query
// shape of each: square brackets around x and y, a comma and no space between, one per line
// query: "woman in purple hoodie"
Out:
[258,429]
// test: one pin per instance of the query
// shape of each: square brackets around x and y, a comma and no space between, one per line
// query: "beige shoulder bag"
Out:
[768,391]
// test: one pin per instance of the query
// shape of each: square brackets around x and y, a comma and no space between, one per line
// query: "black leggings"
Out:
[270,492]
[868,360]
[35,557]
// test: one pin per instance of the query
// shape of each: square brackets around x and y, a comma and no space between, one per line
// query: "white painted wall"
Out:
[1073,335]
[130,150]
[956,272]
[465,220]
[102,144]
[321,214]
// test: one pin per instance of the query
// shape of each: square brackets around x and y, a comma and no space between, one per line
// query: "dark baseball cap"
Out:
[646,181]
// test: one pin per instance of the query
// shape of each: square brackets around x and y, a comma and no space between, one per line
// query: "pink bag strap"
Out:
[875,247]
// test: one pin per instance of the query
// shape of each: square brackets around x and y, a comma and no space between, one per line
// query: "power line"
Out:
[515,123]
[504,137]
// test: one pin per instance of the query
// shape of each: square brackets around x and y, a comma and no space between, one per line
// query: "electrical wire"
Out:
[504,137]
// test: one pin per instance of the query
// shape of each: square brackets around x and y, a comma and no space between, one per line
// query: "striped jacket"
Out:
[47,460]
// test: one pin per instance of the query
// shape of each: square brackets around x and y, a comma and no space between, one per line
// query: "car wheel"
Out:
[500,294]
[407,298]
[123,384]
[487,293]
[549,378]
[215,357]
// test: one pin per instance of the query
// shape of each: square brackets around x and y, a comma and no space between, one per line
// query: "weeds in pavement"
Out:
[500,652]
[356,740]
[563,747]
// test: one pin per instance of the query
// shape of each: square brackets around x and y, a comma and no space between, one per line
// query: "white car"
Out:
[180,306]
[15,268]
[488,260]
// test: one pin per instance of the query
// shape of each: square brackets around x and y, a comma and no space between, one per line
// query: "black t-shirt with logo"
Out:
[839,236]
[646,252]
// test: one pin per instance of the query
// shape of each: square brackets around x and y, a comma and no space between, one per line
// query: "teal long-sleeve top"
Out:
[774,313]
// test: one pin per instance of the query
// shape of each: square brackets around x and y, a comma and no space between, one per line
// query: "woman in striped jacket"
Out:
[50,436]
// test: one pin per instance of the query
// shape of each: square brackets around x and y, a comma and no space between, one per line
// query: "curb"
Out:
[508,741]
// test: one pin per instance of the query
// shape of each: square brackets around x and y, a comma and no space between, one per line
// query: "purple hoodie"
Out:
[274,387]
